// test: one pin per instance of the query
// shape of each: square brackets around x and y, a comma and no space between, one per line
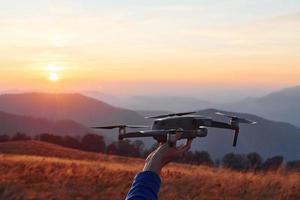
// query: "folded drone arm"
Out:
[216,124]
[142,134]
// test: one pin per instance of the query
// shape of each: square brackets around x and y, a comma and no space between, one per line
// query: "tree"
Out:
[236,162]
[112,149]
[139,146]
[54,139]
[20,137]
[255,160]
[92,142]
[197,158]
[273,163]
[71,142]
[125,148]
[4,138]
[202,158]
[293,165]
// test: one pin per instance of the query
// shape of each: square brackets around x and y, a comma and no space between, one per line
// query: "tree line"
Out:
[96,143]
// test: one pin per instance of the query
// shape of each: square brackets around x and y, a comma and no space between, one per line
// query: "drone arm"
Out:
[142,134]
[216,124]
[234,127]
[134,135]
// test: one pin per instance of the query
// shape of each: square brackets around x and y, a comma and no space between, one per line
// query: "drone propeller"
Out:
[237,119]
[120,126]
[171,115]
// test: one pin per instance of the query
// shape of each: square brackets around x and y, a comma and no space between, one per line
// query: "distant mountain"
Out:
[82,109]
[147,113]
[112,99]
[267,137]
[283,105]
[10,124]
[171,103]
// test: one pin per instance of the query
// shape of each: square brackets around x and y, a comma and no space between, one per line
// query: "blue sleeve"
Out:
[145,186]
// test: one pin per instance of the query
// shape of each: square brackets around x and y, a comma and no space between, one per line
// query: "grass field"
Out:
[36,170]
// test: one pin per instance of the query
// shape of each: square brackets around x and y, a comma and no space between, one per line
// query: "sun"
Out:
[54,77]
[54,72]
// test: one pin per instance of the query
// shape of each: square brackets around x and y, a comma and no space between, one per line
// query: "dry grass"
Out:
[53,172]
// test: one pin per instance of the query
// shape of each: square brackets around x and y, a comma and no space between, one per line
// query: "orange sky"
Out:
[207,44]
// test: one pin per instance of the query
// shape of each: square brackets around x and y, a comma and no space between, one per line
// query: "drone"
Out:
[189,124]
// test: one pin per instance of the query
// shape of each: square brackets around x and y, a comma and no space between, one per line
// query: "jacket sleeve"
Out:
[145,186]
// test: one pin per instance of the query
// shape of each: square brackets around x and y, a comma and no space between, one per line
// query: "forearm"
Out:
[145,186]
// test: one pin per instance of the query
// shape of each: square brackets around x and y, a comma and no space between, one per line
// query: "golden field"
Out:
[37,170]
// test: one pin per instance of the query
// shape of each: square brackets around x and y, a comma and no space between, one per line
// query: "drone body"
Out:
[188,124]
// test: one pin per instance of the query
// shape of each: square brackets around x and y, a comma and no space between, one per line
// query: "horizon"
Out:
[217,95]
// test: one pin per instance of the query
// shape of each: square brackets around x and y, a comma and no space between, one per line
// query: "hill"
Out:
[44,149]
[170,103]
[282,105]
[10,124]
[39,174]
[82,109]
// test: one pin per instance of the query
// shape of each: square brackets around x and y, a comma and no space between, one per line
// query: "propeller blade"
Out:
[171,115]
[246,121]
[240,120]
[226,115]
[137,126]
[120,126]
[222,114]
[105,127]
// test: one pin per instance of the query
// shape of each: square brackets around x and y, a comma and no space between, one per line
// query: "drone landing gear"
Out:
[236,135]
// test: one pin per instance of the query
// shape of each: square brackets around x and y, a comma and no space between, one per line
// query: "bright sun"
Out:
[54,77]
[54,73]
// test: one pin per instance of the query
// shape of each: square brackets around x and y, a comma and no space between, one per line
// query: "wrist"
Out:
[153,168]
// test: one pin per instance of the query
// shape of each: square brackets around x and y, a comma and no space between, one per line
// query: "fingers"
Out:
[178,135]
[182,150]
[189,142]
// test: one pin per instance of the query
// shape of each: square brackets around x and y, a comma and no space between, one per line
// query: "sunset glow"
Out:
[54,68]
[53,77]
[207,44]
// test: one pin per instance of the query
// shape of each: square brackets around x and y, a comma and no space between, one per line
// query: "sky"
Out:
[153,47]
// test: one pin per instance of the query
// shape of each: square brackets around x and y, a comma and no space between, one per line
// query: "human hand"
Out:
[165,154]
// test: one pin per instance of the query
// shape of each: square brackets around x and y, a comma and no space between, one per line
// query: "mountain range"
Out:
[82,109]
[10,124]
[283,105]
[267,137]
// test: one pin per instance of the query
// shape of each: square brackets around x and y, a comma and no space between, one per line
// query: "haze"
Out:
[150,47]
